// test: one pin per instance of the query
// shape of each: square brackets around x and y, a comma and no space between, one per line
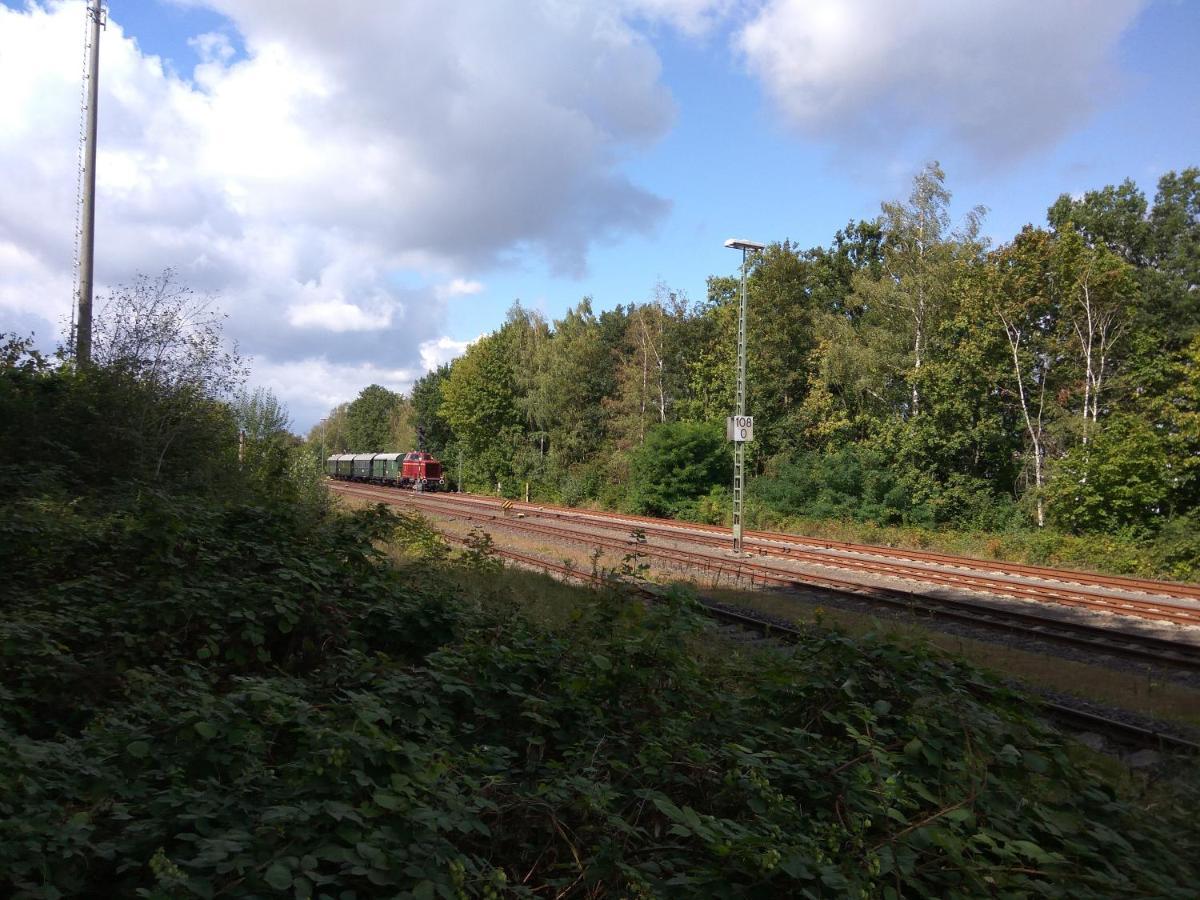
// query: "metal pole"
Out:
[739,447]
[83,337]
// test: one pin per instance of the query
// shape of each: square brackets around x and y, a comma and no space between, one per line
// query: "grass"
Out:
[1102,554]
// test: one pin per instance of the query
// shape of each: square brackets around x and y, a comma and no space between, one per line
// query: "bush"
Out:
[677,463]
[102,428]
[1177,548]
[851,483]
[1120,480]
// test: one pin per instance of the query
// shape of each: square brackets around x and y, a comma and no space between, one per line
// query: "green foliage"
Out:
[74,432]
[1121,479]
[235,701]
[852,483]
[260,414]
[1178,548]
[426,400]
[330,435]
[678,462]
[479,404]
[578,375]
[370,419]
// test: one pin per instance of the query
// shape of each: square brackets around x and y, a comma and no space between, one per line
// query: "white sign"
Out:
[739,428]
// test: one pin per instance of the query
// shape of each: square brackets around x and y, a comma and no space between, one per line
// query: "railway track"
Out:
[1148,586]
[1175,603]
[1141,647]
[1123,733]
[1159,609]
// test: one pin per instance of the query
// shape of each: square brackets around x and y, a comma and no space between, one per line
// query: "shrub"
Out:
[679,462]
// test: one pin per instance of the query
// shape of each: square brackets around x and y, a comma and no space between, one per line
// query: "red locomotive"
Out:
[421,471]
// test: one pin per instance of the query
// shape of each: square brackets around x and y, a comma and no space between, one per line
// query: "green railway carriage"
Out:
[361,463]
[340,465]
[385,467]
[333,466]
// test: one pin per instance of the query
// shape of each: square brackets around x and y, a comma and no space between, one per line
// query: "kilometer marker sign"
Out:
[739,428]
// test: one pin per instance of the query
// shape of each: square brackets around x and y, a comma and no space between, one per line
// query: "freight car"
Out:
[416,470]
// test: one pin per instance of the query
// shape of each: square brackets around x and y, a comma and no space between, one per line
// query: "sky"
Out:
[365,187]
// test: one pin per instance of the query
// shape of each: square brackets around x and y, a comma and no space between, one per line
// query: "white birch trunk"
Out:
[1035,432]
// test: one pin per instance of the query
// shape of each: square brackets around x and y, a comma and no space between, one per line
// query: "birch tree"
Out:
[1025,303]
[919,251]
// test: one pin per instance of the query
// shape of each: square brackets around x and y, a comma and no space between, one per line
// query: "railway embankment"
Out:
[1103,648]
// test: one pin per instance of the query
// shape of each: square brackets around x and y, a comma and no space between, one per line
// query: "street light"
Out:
[735,433]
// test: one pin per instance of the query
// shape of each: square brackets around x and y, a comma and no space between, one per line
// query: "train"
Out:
[416,470]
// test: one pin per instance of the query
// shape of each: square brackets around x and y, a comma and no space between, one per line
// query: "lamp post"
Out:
[739,440]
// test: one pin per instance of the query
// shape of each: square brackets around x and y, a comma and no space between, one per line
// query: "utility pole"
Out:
[739,442]
[97,15]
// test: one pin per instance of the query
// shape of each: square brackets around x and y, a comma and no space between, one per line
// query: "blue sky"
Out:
[364,188]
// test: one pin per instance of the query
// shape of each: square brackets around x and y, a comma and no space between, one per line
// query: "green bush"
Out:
[1177,549]
[678,462]
[866,485]
[1120,480]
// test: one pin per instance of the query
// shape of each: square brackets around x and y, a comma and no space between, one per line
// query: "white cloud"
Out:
[1000,77]
[213,47]
[692,17]
[460,287]
[312,386]
[345,153]
[336,315]
[442,350]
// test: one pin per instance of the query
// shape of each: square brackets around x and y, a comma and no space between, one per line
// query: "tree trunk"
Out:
[1035,432]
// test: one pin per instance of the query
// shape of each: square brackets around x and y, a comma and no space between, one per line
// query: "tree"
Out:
[919,255]
[1098,290]
[679,461]
[782,339]
[260,414]
[426,400]
[268,446]
[1121,480]
[370,419]
[479,404]
[1113,218]
[1175,255]
[640,399]
[158,334]
[577,376]
[330,435]
[857,250]
[1027,304]
[526,337]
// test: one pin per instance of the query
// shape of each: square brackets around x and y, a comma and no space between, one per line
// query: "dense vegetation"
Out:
[212,684]
[907,375]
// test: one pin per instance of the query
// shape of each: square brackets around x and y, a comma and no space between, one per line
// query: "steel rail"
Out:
[1145,648]
[1163,611]
[1181,590]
